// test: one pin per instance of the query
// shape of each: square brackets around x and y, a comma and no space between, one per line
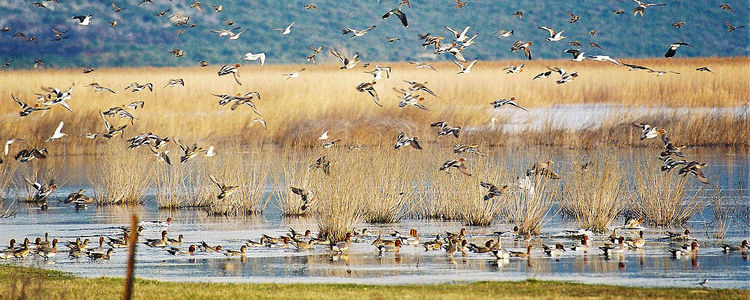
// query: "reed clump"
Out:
[530,205]
[295,172]
[741,205]
[121,176]
[722,211]
[47,172]
[661,198]
[337,210]
[385,183]
[7,172]
[594,192]
[247,170]
[452,195]
[181,185]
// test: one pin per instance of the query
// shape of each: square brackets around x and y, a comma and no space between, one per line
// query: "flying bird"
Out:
[501,102]
[402,141]
[234,70]
[83,20]
[573,18]
[58,133]
[526,47]
[603,58]
[225,190]
[673,48]
[357,33]
[398,13]
[554,36]
[464,69]
[287,30]
[577,54]
[347,63]
[368,87]
[732,28]
[492,190]
[253,57]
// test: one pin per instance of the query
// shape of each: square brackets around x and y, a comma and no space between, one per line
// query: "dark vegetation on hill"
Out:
[142,38]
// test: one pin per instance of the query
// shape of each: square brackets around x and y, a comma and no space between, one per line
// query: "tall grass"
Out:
[291,119]
[661,198]
[7,172]
[740,205]
[120,176]
[337,210]
[42,171]
[182,185]
[722,211]
[248,170]
[594,196]
[530,206]
[386,183]
[294,173]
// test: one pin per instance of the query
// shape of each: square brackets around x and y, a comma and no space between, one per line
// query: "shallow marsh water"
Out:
[651,267]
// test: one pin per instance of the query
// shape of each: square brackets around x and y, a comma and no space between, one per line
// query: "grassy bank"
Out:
[46,284]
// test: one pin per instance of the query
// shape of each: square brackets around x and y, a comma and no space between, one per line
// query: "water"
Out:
[362,264]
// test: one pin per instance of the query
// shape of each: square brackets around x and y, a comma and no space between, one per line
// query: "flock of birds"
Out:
[681,245]
[410,95]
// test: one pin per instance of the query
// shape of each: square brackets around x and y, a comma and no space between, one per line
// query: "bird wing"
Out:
[487,185]
[107,125]
[527,51]
[58,131]
[20,103]
[550,30]
[415,143]
[402,17]
[459,56]
[182,147]
[458,64]
[337,55]
[699,175]
[36,185]
[214,180]
[455,32]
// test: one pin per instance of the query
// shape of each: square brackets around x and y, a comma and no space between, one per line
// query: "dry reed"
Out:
[741,205]
[121,176]
[530,206]
[337,210]
[593,192]
[181,185]
[384,183]
[7,172]
[287,104]
[722,211]
[45,171]
[661,198]
[250,171]
[294,173]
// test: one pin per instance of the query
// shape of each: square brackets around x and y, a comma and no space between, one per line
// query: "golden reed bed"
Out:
[324,98]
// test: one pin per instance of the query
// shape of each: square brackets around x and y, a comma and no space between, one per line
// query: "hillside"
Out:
[144,39]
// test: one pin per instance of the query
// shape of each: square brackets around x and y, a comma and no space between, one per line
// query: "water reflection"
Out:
[648,267]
